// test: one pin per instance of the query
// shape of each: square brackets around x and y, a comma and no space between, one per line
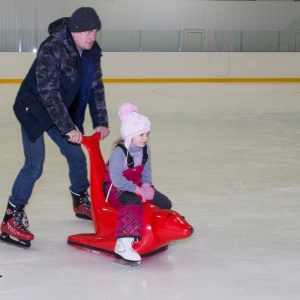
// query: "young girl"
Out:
[128,180]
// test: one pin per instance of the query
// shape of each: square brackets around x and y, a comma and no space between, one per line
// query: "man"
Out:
[63,79]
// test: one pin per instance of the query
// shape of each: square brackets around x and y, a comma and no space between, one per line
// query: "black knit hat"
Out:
[84,19]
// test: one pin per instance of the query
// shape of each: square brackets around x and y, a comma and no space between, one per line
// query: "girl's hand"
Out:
[149,191]
[140,191]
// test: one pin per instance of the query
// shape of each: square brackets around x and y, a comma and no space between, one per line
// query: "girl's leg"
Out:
[130,216]
[161,200]
[129,223]
[130,213]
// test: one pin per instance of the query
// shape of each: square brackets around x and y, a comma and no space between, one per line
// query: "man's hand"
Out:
[103,131]
[74,136]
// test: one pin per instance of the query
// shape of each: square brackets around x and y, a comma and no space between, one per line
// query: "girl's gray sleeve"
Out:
[116,168]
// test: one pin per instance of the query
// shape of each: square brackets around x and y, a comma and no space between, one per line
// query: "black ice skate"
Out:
[82,205]
[14,231]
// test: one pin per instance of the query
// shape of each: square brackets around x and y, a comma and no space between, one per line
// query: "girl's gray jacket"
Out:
[52,89]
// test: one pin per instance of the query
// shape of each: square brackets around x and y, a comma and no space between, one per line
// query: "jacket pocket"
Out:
[33,117]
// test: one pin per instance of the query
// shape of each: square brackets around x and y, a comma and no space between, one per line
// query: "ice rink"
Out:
[226,154]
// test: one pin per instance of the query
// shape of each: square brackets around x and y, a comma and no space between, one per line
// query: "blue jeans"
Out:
[34,161]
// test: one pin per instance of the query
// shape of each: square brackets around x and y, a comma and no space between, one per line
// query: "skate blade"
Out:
[83,217]
[127,263]
[5,238]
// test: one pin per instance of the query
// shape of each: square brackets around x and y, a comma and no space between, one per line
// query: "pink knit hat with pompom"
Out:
[132,123]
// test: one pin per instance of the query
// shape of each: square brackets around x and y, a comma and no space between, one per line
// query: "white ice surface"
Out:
[228,155]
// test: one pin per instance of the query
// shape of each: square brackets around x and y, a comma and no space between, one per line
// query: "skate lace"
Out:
[18,221]
[86,202]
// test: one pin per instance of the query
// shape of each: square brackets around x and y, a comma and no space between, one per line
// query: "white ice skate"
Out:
[125,254]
